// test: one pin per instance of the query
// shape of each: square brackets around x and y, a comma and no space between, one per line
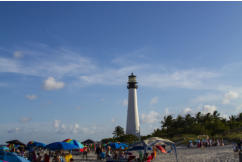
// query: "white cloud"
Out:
[62,62]
[191,79]
[113,120]
[166,112]
[187,110]
[25,119]
[238,109]
[14,130]
[154,101]
[207,98]
[18,54]
[75,128]
[57,124]
[31,97]
[230,96]
[151,117]
[52,84]
[125,102]
[209,109]
[63,126]
[9,65]
[110,76]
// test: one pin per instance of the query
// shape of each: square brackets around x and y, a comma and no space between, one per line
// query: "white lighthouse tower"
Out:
[132,126]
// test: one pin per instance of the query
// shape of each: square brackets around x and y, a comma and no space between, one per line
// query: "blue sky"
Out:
[64,66]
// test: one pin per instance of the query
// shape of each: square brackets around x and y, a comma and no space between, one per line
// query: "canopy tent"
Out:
[61,146]
[157,140]
[16,142]
[88,141]
[203,136]
[11,157]
[152,141]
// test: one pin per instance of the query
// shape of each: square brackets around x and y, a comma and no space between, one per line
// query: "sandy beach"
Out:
[210,154]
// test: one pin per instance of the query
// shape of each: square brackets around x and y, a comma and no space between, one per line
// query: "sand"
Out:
[211,154]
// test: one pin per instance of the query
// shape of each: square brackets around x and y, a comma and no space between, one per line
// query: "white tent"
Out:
[155,140]
[160,141]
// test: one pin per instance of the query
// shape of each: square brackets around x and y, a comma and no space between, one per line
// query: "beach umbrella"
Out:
[115,145]
[61,146]
[16,142]
[74,142]
[138,146]
[88,141]
[4,148]
[12,157]
[123,145]
[32,144]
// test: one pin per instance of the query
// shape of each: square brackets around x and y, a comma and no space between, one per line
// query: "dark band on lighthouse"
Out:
[132,82]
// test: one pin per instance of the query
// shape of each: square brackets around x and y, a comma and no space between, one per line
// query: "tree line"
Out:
[199,124]
[211,124]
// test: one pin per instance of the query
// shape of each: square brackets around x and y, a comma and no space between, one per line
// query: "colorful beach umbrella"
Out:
[61,146]
[74,142]
[32,144]
[4,148]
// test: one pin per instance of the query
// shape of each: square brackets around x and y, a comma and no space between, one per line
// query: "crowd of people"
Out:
[238,146]
[43,155]
[103,152]
[109,154]
[111,151]
[200,143]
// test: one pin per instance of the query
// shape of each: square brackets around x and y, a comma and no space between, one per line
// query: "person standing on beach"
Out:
[108,152]
[68,157]
[46,158]
[85,151]
[98,151]
[154,151]
[38,157]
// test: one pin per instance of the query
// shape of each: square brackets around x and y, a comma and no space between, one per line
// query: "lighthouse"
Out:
[132,126]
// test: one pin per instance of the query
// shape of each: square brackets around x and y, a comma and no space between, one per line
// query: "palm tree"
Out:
[118,131]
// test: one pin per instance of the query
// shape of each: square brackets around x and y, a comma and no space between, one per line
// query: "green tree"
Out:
[118,131]
[127,138]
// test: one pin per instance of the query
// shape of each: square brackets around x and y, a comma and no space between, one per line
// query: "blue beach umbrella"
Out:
[116,145]
[61,146]
[123,145]
[32,144]
[139,146]
[4,148]
[11,157]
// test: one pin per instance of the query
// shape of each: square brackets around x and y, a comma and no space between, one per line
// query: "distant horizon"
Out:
[64,66]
